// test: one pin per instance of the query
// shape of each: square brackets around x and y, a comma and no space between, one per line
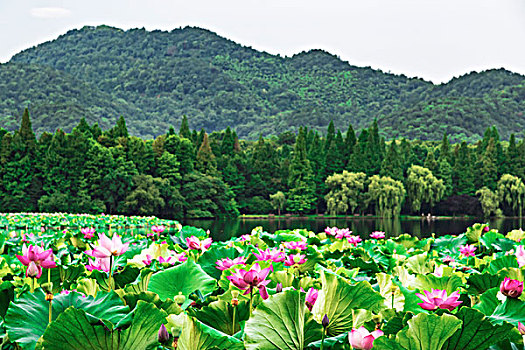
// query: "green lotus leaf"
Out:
[449,244]
[474,232]
[141,283]
[394,298]
[428,332]
[511,310]
[198,336]
[338,298]
[73,331]
[476,332]
[480,283]
[397,322]
[169,306]
[490,238]
[428,282]
[281,322]
[339,342]
[219,315]
[209,258]
[27,317]
[501,263]
[488,302]
[419,264]
[185,278]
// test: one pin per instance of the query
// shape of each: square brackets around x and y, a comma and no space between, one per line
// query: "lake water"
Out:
[224,229]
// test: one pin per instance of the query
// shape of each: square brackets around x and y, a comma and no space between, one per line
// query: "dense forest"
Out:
[187,173]
[154,78]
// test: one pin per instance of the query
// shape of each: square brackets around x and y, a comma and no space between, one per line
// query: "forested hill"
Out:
[154,78]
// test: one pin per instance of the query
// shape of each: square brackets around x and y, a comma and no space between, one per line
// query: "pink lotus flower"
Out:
[343,233]
[354,240]
[467,250]
[226,263]
[168,260]
[521,328]
[362,339]
[36,258]
[511,288]
[520,255]
[253,278]
[274,255]
[311,297]
[295,260]
[448,259]
[99,264]
[88,232]
[158,229]
[438,271]
[486,229]
[108,247]
[196,244]
[377,235]
[180,257]
[147,260]
[439,299]
[246,237]
[301,245]
[332,231]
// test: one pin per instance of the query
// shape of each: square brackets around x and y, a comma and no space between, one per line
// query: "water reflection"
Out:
[224,229]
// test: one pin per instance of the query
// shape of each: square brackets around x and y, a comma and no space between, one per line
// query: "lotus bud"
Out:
[279,287]
[32,270]
[521,328]
[163,335]
[325,321]
[511,288]
[180,299]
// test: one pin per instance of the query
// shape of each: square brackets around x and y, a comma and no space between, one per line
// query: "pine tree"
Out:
[463,172]
[391,165]
[489,170]
[301,196]
[205,162]
[184,130]
[430,161]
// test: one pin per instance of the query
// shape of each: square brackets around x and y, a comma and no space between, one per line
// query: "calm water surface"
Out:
[224,229]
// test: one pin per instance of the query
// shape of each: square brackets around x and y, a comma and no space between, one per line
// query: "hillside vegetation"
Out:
[154,78]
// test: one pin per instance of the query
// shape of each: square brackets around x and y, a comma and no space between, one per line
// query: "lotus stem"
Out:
[251,300]
[110,280]
[50,310]
[32,284]
[48,275]
[233,323]
[322,340]
[393,293]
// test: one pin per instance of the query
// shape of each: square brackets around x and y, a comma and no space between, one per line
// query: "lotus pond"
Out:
[96,282]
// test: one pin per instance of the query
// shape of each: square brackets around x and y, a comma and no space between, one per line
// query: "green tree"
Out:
[511,193]
[489,202]
[184,130]
[387,194]
[145,197]
[423,187]
[391,165]
[301,196]
[347,192]
[205,161]
[278,201]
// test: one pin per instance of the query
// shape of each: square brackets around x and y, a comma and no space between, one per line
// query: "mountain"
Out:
[154,78]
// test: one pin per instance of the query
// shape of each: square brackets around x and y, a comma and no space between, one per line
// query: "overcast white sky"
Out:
[432,39]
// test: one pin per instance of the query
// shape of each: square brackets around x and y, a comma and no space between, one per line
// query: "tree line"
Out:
[189,173]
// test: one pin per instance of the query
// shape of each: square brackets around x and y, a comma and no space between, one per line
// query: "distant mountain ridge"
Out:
[153,78]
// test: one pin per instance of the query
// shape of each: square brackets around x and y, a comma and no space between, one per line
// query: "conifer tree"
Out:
[184,130]
[391,165]
[206,162]
[301,196]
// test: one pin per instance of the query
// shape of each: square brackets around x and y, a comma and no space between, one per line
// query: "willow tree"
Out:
[489,201]
[346,192]
[511,191]
[388,195]
[423,187]
[278,201]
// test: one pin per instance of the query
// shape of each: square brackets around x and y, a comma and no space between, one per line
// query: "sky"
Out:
[431,39]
